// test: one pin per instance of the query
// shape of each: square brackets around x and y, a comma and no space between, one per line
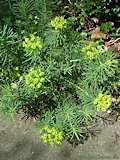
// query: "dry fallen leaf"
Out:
[114,45]
[95,20]
[97,34]
[116,49]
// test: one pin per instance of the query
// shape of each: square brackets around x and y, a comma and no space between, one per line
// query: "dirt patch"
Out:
[19,141]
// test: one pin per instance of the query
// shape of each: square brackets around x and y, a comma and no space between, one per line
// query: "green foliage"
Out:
[8,101]
[23,8]
[9,74]
[9,56]
[107,27]
[7,46]
[99,71]
[50,70]
[98,8]
[45,10]
[24,11]
[69,118]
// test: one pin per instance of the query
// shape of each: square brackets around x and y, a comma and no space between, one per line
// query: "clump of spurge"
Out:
[32,42]
[58,22]
[92,50]
[51,135]
[103,102]
[34,78]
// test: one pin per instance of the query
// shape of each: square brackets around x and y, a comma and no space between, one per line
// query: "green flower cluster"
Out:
[103,102]
[91,50]
[32,42]
[51,136]
[34,78]
[111,63]
[58,22]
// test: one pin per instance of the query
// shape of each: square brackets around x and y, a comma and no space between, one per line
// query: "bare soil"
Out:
[19,141]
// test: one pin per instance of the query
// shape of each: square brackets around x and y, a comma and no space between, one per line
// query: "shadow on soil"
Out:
[19,142]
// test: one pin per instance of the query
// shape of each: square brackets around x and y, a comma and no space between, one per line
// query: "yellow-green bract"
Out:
[34,78]
[111,63]
[91,50]
[58,22]
[32,42]
[103,102]
[51,135]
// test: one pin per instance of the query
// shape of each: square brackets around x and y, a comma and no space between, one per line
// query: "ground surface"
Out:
[19,142]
